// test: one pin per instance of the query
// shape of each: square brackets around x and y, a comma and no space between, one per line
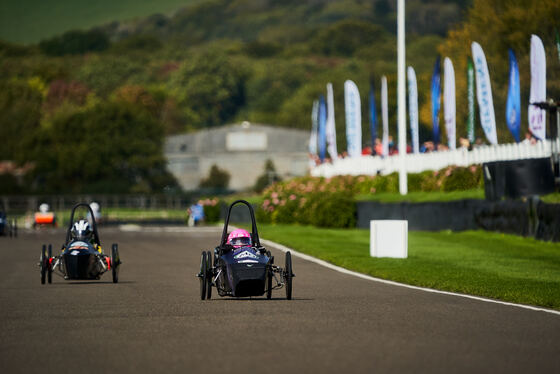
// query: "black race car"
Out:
[8,227]
[80,259]
[245,271]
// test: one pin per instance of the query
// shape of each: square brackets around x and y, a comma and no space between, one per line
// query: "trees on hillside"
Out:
[211,88]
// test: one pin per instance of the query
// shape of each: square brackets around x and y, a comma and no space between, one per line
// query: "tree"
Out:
[75,42]
[20,108]
[217,178]
[267,178]
[110,147]
[211,88]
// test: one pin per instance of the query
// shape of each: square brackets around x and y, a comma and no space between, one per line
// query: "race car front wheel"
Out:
[288,276]
[115,262]
[208,275]
[203,275]
[43,263]
[49,267]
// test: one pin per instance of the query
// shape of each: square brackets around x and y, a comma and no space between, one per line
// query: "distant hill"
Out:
[289,20]
[28,21]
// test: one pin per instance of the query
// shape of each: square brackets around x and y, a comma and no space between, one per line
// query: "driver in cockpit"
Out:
[239,238]
[81,230]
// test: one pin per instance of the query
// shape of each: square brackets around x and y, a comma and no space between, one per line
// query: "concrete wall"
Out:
[240,149]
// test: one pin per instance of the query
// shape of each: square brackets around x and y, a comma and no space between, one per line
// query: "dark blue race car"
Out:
[82,257]
[244,271]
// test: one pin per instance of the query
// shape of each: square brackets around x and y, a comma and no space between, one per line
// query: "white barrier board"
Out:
[388,238]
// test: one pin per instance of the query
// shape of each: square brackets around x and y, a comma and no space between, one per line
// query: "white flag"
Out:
[353,119]
[413,108]
[537,116]
[385,116]
[331,130]
[449,102]
[314,128]
[484,94]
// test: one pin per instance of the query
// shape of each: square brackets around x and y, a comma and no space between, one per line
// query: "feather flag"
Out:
[435,101]
[331,130]
[449,112]
[314,128]
[322,128]
[470,101]
[484,94]
[413,108]
[385,116]
[513,104]
[372,117]
[353,119]
[537,116]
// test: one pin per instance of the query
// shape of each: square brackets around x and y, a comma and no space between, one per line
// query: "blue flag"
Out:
[322,128]
[513,104]
[372,118]
[435,101]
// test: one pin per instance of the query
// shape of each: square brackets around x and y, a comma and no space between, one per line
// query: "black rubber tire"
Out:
[269,282]
[42,263]
[49,267]
[208,275]
[288,276]
[115,262]
[203,275]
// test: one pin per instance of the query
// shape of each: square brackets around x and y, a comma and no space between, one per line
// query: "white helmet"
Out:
[81,230]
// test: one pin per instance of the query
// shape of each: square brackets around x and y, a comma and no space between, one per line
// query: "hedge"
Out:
[329,202]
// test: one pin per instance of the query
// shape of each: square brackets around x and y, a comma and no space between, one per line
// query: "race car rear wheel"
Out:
[208,275]
[269,282]
[43,263]
[203,275]
[288,276]
[49,267]
[115,262]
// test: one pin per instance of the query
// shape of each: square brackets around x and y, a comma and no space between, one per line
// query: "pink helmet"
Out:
[239,238]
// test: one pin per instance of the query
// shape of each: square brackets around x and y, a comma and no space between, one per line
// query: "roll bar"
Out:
[254,233]
[93,223]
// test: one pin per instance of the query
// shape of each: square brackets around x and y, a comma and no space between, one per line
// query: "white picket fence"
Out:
[415,163]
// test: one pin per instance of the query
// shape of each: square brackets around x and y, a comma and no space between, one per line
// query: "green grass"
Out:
[28,21]
[419,197]
[491,265]
[553,198]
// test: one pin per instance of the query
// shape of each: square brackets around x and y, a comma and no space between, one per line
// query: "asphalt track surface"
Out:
[154,321]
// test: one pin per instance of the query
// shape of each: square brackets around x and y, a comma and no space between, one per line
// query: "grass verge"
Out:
[492,265]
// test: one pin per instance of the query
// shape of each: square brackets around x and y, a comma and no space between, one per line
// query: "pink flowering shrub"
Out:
[330,202]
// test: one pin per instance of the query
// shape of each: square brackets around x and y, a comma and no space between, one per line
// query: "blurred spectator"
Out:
[464,143]
[529,138]
[196,214]
[427,147]
[442,147]
[378,147]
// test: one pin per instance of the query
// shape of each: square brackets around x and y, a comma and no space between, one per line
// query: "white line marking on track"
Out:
[370,278]
[328,265]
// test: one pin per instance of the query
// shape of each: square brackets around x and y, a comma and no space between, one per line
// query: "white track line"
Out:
[370,278]
[132,228]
